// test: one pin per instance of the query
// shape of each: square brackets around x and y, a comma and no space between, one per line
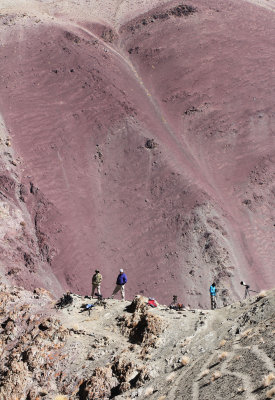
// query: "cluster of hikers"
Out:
[213,293]
[122,280]
[120,284]
[120,287]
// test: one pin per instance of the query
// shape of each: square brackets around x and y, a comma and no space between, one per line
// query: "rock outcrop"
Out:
[141,326]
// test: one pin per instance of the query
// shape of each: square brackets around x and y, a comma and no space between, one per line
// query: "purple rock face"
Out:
[147,148]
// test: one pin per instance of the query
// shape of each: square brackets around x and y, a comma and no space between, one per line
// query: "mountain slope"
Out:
[146,136]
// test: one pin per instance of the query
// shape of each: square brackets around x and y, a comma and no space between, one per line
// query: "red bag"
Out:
[152,303]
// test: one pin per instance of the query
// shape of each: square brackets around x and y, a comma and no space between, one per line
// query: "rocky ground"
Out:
[128,350]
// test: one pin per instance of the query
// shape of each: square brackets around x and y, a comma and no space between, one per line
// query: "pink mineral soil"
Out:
[144,140]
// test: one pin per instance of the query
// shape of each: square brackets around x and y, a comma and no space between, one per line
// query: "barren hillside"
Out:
[138,136]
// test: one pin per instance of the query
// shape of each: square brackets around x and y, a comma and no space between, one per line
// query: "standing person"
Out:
[96,281]
[120,282]
[213,298]
[246,293]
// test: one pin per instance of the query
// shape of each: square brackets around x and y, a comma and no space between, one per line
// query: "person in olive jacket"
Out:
[96,282]
[120,282]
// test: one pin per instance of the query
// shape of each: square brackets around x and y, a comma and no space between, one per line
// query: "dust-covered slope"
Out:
[124,350]
[145,136]
[25,255]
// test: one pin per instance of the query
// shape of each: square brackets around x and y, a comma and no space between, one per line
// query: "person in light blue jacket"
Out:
[120,282]
[213,296]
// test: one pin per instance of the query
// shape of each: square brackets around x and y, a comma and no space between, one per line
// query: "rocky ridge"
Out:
[129,350]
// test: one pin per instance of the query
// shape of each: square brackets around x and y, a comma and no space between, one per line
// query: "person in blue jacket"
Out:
[120,282]
[213,296]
